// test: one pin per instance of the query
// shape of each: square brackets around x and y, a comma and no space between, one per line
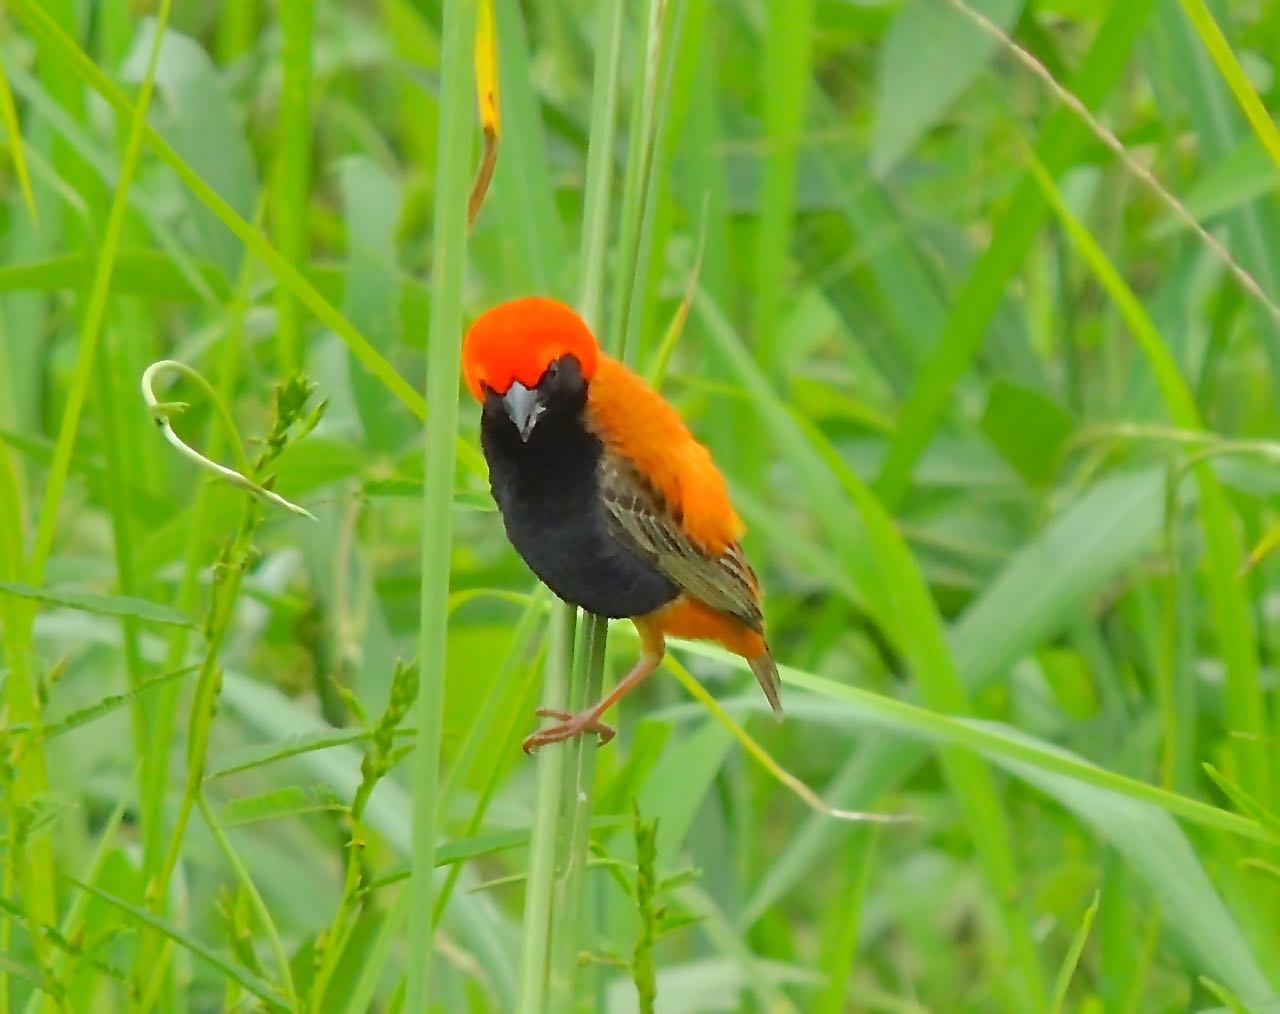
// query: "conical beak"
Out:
[523,408]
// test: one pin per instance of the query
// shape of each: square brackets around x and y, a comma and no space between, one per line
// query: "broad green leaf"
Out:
[372,202]
[1028,428]
[929,57]
[195,115]
[679,783]
[786,81]
[920,637]
[1057,574]
[1244,176]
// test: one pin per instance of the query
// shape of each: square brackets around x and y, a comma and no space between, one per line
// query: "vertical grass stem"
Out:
[453,184]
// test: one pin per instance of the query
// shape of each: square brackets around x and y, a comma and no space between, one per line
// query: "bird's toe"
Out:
[570,725]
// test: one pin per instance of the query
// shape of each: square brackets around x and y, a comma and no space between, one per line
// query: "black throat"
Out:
[548,491]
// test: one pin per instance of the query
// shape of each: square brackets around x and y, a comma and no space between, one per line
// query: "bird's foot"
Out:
[570,725]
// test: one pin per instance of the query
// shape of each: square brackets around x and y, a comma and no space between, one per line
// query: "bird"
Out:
[608,497]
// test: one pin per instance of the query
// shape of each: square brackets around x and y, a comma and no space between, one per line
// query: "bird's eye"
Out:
[553,370]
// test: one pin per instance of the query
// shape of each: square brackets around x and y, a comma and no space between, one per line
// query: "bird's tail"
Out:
[766,670]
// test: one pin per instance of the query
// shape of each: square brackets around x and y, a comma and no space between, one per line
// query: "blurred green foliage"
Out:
[1001,426]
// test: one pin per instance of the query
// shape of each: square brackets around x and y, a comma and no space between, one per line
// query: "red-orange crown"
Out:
[519,339]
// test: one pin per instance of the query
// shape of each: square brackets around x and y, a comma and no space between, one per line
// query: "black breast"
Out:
[548,492]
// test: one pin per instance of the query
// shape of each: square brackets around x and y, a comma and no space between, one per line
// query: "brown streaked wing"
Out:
[640,517]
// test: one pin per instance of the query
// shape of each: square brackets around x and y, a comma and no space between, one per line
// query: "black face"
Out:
[560,394]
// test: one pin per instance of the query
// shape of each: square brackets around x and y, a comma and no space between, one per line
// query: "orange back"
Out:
[636,422]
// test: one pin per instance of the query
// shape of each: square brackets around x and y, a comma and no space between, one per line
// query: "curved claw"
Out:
[570,725]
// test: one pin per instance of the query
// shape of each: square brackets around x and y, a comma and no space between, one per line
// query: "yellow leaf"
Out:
[487,93]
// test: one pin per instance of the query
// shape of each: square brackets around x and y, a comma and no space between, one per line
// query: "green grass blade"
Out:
[908,103]
[1159,853]
[38,890]
[293,172]
[788,60]
[573,894]
[1026,655]
[389,813]
[923,642]
[95,313]
[1229,603]
[523,182]
[1183,71]
[910,620]
[1072,960]
[259,906]
[1001,744]
[984,288]
[444,355]
[262,990]
[842,932]
[289,275]
[1224,59]
[535,945]
[599,174]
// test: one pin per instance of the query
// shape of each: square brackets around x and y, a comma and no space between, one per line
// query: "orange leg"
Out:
[589,720]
